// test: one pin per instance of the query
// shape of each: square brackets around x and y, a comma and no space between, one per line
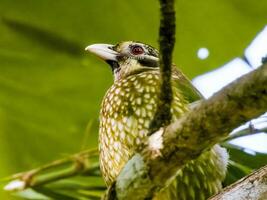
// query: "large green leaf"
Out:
[50,88]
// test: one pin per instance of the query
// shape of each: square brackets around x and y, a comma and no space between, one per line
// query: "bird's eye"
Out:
[136,50]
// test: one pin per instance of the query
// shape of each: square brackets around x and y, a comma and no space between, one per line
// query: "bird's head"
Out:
[126,58]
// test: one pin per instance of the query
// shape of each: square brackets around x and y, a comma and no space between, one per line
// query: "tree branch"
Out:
[166,45]
[184,140]
[250,130]
[253,186]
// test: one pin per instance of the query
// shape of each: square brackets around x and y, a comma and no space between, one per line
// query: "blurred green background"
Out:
[50,88]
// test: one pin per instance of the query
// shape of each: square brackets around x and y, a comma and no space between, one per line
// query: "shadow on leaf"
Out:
[45,38]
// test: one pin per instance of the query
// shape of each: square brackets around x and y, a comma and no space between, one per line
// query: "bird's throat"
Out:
[114,65]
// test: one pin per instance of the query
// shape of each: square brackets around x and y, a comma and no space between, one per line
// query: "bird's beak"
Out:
[103,51]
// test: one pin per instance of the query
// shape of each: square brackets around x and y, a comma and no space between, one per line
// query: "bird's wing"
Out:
[190,93]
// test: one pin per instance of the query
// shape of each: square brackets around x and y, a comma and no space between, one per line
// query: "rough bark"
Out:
[166,45]
[251,187]
[184,140]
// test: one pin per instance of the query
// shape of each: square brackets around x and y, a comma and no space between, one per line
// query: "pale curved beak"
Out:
[103,51]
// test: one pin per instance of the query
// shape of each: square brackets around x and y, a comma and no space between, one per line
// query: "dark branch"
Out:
[166,46]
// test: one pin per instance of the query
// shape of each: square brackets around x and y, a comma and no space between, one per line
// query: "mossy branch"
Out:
[201,128]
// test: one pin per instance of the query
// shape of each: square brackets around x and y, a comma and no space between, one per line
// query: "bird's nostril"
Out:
[111,48]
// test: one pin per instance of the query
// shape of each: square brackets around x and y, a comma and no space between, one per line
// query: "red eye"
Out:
[136,50]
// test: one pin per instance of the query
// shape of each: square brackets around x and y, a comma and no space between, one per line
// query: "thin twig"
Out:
[63,168]
[57,163]
[250,130]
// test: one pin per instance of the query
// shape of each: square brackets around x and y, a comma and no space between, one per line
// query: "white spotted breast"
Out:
[126,112]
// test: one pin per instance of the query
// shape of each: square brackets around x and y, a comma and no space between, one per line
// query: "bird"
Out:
[128,108]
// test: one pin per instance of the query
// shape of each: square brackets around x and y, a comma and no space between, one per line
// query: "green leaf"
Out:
[53,194]
[235,171]
[252,161]
[31,194]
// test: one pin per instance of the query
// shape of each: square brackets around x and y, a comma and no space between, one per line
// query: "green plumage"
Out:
[126,112]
